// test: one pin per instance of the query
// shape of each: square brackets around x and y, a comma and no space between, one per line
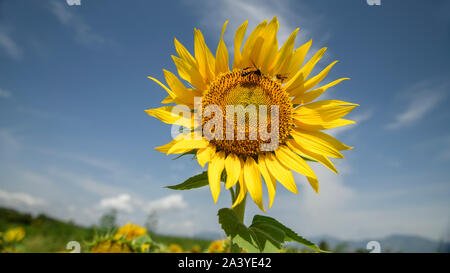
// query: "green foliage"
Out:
[194,182]
[43,233]
[46,234]
[185,243]
[264,235]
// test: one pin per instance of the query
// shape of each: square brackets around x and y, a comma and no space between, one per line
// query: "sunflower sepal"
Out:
[264,235]
[308,159]
[191,152]
[194,182]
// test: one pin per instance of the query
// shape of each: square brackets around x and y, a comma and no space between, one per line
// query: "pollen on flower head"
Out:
[240,88]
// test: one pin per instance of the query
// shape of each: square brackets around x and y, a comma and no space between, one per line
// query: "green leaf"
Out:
[143,239]
[265,234]
[194,182]
[238,232]
[290,234]
[269,238]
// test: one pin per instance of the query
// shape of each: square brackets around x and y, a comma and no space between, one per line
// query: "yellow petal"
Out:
[314,183]
[181,92]
[315,144]
[304,72]
[303,152]
[298,164]
[322,125]
[168,99]
[242,190]
[269,48]
[314,94]
[329,103]
[253,181]
[189,73]
[322,115]
[253,58]
[186,145]
[233,166]
[296,61]
[268,178]
[281,173]
[171,94]
[184,54]
[249,46]
[203,56]
[284,56]
[323,111]
[165,148]
[238,38]
[168,115]
[204,155]
[328,139]
[293,161]
[222,65]
[305,86]
[215,170]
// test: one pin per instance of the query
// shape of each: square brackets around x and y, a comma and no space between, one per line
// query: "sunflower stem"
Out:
[240,212]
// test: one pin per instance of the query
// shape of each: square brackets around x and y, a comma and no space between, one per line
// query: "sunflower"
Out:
[14,235]
[217,246]
[111,246]
[130,231]
[262,74]
[175,248]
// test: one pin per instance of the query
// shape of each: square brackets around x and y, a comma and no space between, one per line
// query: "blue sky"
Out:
[75,140]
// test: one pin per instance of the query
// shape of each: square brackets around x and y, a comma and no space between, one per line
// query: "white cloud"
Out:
[213,14]
[19,198]
[122,202]
[168,203]
[83,32]
[4,93]
[9,45]
[421,99]
[126,203]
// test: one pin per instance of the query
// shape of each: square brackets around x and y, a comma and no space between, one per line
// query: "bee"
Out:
[281,77]
[251,70]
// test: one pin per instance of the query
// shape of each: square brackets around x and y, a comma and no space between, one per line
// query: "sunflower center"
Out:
[245,94]
[256,112]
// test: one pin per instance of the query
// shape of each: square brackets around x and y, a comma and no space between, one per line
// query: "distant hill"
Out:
[392,243]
